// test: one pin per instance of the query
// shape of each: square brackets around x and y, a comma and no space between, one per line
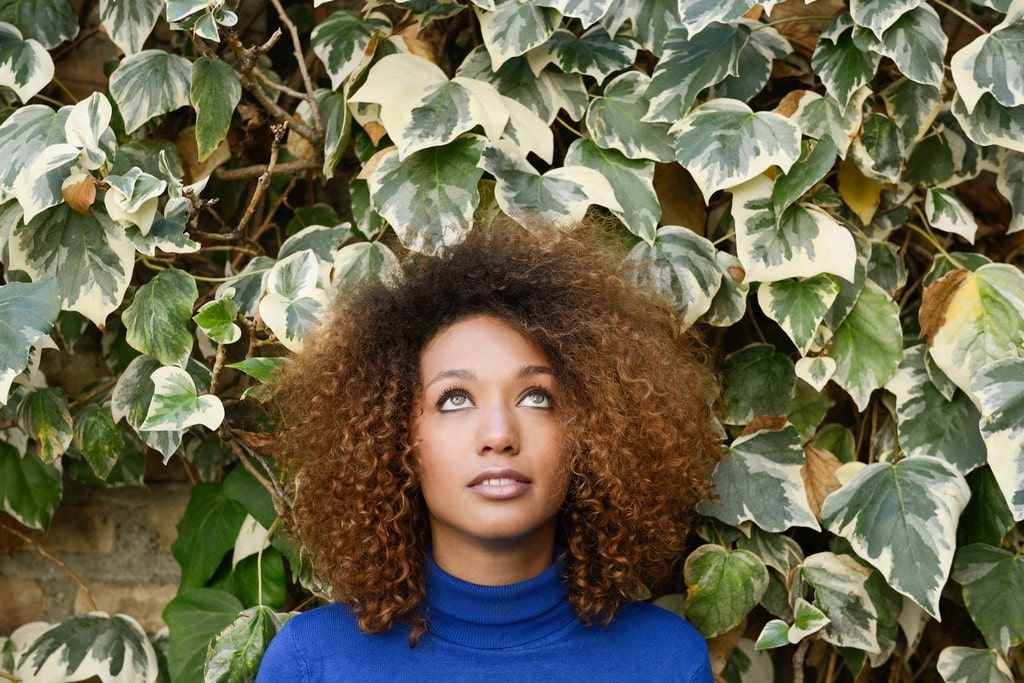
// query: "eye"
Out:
[536,398]
[453,399]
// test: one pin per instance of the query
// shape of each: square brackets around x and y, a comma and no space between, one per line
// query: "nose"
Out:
[498,431]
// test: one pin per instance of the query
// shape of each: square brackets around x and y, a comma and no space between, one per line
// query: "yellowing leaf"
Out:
[860,193]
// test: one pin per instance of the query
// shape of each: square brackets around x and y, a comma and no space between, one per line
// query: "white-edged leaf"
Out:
[823,117]
[879,15]
[587,11]
[999,388]
[946,212]
[133,197]
[362,262]
[615,120]
[148,84]
[816,371]
[514,28]
[759,480]
[27,312]
[252,538]
[917,44]
[681,265]
[430,196]
[40,186]
[323,240]
[24,135]
[157,319]
[754,64]
[341,42]
[129,22]
[595,53]
[632,182]
[723,143]
[879,149]
[993,63]
[990,123]
[902,519]
[696,15]
[542,94]
[842,66]
[969,665]
[528,131]
[803,241]
[293,304]
[913,106]
[50,22]
[88,128]
[25,65]
[729,304]
[1010,183]
[217,320]
[176,404]
[236,652]
[722,587]
[840,591]
[798,306]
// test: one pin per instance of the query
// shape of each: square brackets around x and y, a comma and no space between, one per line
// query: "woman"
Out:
[492,457]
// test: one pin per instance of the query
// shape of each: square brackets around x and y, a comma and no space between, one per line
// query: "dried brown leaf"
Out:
[935,300]
[819,475]
[772,422]
[370,167]
[81,195]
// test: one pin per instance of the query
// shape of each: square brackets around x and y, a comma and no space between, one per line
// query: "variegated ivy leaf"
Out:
[759,480]
[681,265]
[50,22]
[90,257]
[990,123]
[429,11]
[167,233]
[178,10]
[247,285]
[27,312]
[24,135]
[30,489]
[930,424]
[44,416]
[111,648]
[754,65]
[40,187]
[816,371]
[196,616]
[429,198]
[650,21]
[157,319]
[886,268]
[879,15]
[816,160]
[824,118]
[969,665]
[514,28]
[993,582]
[798,306]
[803,241]
[1010,183]
[176,404]
[758,381]
[729,304]
[696,15]
[236,653]
[913,106]
[632,183]
[879,150]
[129,22]
[993,63]
[323,240]
[217,320]
[214,94]
[615,120]
[722,587]
[807,619]
[528,131]
[560,196]
[341,42]
[148,84]
[587,11]
[363,262]
[252,539]
[421,108]
[946,212]
[99,438]
[902,519]
[691,64]
[595,53]
[972,319]
[132,198]
[868,345]
[337,127]
[999,388]
[88,128]
[840,591]
[916,43]
[842,66]
[293,304]
[777,551]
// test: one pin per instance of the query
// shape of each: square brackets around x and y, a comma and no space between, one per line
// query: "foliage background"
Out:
[833,190]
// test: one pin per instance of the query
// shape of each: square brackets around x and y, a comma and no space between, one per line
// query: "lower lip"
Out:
[501,491]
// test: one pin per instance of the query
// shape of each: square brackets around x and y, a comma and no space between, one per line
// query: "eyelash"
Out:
[457,391]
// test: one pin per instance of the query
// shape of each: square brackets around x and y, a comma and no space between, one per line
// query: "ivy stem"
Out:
[790,20]
[39,549]
[50,100]
[64,89]
[930,236]
[568,127]
[218,365]
[960,14]
[9,677]
[259,561]
[229,278]
[723,238]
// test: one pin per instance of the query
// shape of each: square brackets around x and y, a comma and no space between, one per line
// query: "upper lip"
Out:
[505,473]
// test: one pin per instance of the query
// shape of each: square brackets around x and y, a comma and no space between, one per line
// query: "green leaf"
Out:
[808,619]
[587,11]
[993,582]
[798,306]
[879,150]
[722,587]
[615,120]
[868,345]
[99,438]
[842,66]
[803,241]
[987,518]
[176,405]
[244,580]
[363,262]
[754,65]
[87,645]
[595,53]
[194,618]
[324,241]
[999,389]
[429,198]
[758,381]
[50,22]
[206,534]
[691,64]
[729,304]
[30,489]
[824,118]
[1010,183]
[969,665]
[44,416]
[990,123]
[759,480]
[129,22]
[148,84]
[917,44]
[928,423]
[632,183]
[217,320]
[913,106]
[946,212]
[993,63]
[214,93]
[681,265]
[131,398]
[723,143]
[157,319]
[27,312]
[902,519]
[293,304]
[930,161]
[241,486]
[24,135]
[816,160]
[342,39]
[236,653]
[774,634]
[514,28]
[261,369]
[777,551]
[840,591]
[25,65]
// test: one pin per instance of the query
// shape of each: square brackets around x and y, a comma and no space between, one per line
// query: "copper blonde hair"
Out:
[633,391]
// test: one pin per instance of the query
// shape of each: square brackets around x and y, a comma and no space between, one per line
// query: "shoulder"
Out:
[298,652]
[663,639]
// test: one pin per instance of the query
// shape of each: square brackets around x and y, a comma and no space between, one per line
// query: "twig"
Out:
[280,87]
[9,677]
[93,394]
[301,59]
[281,199]
[264,180]
[282,501]
[960,14]
[218,365]
[798,660]
[288,168]
[39,549]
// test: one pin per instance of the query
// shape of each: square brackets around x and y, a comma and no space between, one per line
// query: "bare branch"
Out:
[264,180]
[301,59]
[249,172]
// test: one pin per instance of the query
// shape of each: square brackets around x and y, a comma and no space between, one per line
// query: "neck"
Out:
[494,564]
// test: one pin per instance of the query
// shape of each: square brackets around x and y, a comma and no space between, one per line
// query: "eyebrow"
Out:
[469,375]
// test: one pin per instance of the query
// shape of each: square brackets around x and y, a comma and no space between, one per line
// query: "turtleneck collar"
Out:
[497,617]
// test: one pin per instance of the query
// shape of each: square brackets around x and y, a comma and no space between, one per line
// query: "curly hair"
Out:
[634,395]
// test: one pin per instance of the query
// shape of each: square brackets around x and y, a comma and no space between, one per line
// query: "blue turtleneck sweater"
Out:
[525,631]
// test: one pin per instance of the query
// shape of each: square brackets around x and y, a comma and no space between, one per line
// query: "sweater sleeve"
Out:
[283,661]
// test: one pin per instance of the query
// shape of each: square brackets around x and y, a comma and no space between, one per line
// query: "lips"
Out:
[500,484]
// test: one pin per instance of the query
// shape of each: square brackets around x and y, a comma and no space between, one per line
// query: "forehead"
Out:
[479,342]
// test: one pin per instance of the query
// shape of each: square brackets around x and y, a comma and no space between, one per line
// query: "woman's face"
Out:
[488,442]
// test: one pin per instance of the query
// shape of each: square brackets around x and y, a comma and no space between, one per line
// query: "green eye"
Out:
[537,399]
